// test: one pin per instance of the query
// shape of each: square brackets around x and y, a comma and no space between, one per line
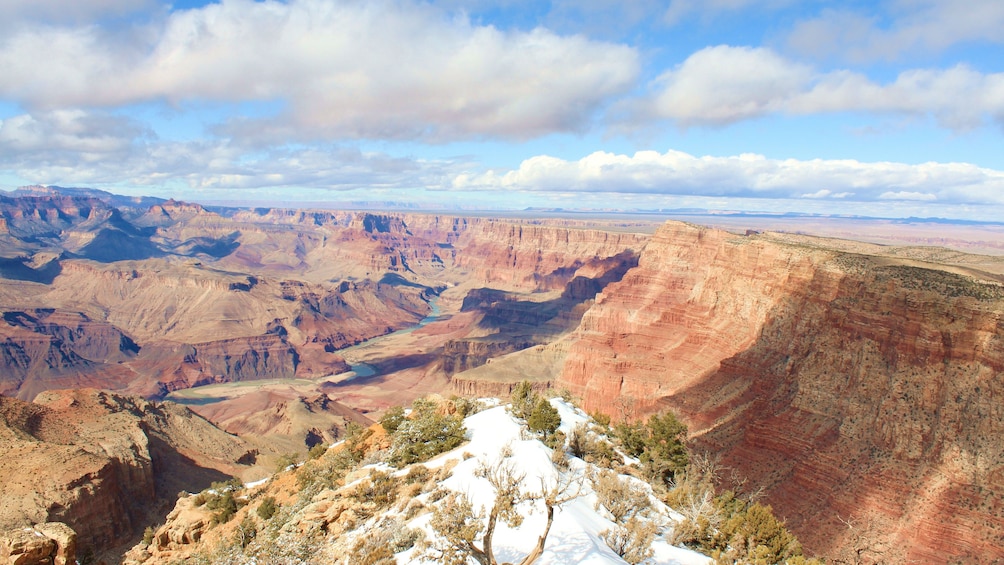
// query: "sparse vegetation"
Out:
[732,529]
[317,451]
[466,534]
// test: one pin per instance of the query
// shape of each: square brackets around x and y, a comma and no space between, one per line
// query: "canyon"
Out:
[856,385]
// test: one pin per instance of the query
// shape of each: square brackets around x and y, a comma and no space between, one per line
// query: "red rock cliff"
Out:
[856,390]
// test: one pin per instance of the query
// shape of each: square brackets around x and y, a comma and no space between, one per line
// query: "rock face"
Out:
[51,543]
[854,389]
[100,462]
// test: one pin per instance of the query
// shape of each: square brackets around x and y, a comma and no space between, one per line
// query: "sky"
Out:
[887,108]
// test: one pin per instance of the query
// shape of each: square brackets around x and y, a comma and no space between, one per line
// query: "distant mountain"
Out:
[116,200]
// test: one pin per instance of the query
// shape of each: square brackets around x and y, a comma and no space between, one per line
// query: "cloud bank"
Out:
[748,176]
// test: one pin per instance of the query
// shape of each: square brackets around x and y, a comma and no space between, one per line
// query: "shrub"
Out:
[373,550]
[417,474]
[632,541]
[392,419]
[225,507]
[426,434]
[245,532]
[755,533]
[285,462]
[317,451]
[380,489]
[523,399]
[601,419]
[148,535]
[560,460]
[267,508]
[622,497]
[465,407]
[590,448]
[658,444]
[543,418]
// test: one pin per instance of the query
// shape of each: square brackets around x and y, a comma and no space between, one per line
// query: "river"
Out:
[363,370]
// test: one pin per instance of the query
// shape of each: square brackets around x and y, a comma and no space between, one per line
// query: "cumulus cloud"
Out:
[925,25]
[747,175]
[348,69]
[723,84]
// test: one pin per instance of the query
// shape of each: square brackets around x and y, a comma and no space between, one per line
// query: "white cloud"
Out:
[921,25]
[369,70]
[79,147]
[723,84]
[747,175]
[906,195]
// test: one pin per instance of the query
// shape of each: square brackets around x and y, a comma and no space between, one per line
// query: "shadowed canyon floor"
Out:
[858,385]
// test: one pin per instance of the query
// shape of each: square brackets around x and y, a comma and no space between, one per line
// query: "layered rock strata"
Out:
[861,393]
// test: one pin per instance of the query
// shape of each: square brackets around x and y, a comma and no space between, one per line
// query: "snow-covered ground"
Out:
[576,534]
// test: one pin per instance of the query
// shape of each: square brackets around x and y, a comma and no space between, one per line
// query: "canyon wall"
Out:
[101,462]
[861,393]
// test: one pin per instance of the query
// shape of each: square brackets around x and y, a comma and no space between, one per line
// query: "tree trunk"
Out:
[539,549]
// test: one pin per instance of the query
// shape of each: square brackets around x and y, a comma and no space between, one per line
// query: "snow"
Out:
[258,483]
[575,535]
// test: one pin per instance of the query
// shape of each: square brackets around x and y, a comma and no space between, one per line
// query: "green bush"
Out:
[466,406]
[426,434]
[267,508]
[225,507]
[753,534]
[658,444]
[523,399]
[543,418]
[392,419]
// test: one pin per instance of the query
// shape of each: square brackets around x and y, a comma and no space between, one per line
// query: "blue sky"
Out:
[891,108]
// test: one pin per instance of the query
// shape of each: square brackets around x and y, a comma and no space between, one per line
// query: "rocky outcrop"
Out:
[853,389]
[50,543]
[100,462]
